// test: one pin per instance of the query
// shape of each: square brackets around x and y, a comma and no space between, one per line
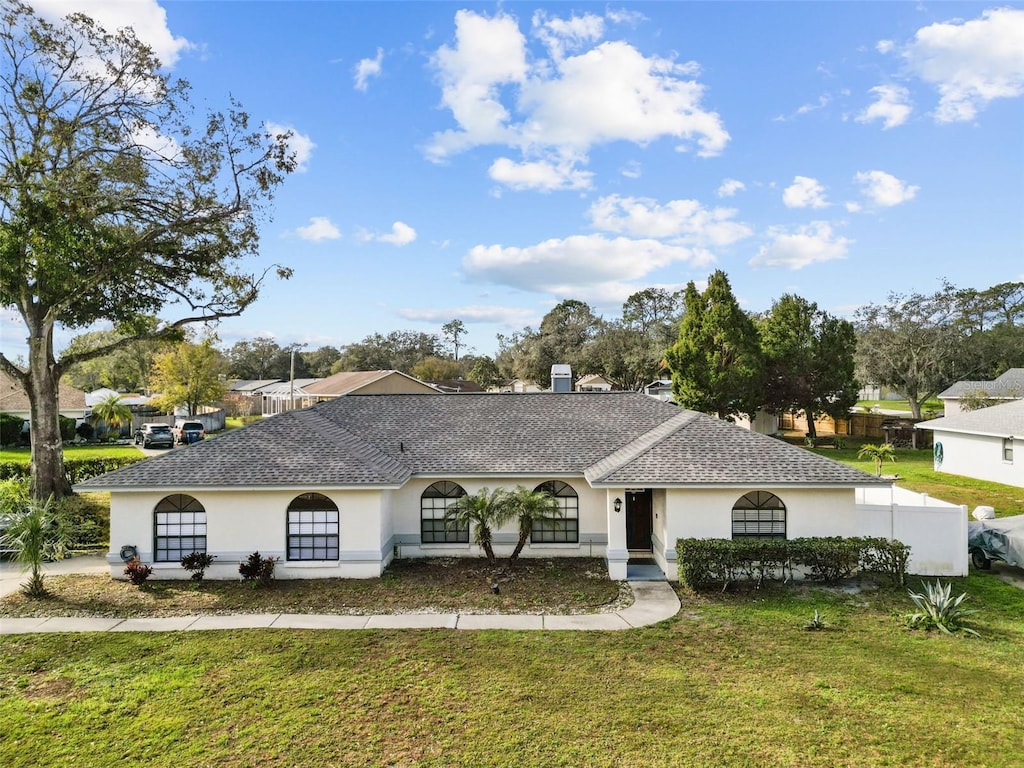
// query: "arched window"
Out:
[564,528]
[179,528]
[312,528]
[759,515]
[433,503]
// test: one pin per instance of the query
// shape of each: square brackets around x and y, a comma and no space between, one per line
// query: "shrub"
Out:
[10,428]
[197,563]
[86,521]
[76,470]
[67,428]
[885,557]
[938,609]
[137,571]
[827,559]
[257,569]
[703,562]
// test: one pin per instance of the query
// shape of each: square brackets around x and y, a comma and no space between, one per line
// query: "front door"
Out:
[638,519]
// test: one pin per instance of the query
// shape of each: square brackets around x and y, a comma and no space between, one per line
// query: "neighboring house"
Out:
[455,386]
[245,396]
[14,399]
[660,389]
[593,382]
[126,398]
[344,487]
[1008,386]
[284,396]
[367,383]
[987,444]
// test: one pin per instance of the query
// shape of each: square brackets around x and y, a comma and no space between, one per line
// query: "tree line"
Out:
[119,203]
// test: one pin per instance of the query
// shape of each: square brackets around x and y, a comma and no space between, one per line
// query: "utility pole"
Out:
[292,376]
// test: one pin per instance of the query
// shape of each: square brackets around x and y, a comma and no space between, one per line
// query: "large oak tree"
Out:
[117,203]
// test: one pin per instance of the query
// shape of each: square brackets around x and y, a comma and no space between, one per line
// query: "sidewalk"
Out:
[654,601]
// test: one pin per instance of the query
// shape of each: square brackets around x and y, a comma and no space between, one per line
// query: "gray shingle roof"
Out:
[1010,384]
[703,450]
[619,437]
[1003,420]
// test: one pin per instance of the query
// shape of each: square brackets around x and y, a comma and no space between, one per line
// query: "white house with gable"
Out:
[344,487]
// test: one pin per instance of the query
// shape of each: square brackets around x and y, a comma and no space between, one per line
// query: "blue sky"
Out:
[485,161]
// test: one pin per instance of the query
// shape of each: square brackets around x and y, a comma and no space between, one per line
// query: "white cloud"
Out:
[970,63]
[541,175]
[561,35]
[319,228]
[808,244]
[561,107]
[401,234]
[853,206]
[577,264]
[892,106]
[367,68]
[685,222]
[299,144]
[632,170]
[804,192]
[729,187]
[885,46]
[146,18]
[515,317]
[885,189]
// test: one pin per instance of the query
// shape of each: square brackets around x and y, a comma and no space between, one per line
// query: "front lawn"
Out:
[534,585]
[733,680]
[917,474]
[23,454]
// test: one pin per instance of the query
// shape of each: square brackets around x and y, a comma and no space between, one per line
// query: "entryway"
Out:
[639,530]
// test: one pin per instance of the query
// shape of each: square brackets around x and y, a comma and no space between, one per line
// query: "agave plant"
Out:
[938,608]
[816,624]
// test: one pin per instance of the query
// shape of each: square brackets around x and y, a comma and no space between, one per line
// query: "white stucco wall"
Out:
[239,523]
[980,457]
[404,510]
[707,513]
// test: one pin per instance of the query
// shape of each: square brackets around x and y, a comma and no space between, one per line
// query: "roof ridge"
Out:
[638,446]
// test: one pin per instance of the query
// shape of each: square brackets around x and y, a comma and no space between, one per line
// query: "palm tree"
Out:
[530,506]
[485,510]
[878,454]
[112,412]
[34,534]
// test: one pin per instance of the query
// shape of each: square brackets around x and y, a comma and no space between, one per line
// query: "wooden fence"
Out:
[872,426]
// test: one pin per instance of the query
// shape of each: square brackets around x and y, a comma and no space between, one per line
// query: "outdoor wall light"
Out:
[617,504]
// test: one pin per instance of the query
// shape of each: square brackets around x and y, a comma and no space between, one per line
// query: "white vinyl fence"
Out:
[935,530]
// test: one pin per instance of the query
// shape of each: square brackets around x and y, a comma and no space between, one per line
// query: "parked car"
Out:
[186,431]
[154,435]
[1001,538]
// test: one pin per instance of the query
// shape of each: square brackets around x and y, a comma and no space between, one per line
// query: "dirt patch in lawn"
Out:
[441,585]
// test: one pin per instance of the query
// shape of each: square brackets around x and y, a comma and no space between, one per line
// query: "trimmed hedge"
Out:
[10,428]
[76,470]
[705,562]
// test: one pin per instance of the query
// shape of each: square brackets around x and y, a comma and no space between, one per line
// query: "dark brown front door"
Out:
[638,519]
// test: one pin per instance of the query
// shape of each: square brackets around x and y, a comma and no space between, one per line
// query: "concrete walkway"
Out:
[654,601]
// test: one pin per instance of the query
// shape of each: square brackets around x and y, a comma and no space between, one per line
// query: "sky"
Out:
[484,161]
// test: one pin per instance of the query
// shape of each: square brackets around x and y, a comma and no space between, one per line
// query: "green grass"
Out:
[734,680]
[24,453]
[901,405]
[234,422]
[534,585]
[915,468]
